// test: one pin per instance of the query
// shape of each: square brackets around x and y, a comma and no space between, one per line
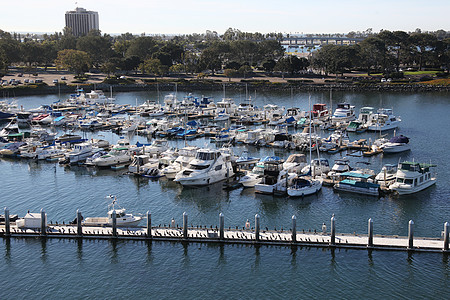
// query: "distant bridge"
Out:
[317,41]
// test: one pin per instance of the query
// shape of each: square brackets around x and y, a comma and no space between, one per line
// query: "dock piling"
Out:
[370,239]
[333,232]
[114,223]
[7,224]
[294,229]
[43,222]
[446,236]
[257,227]
[79,228]
[410,234]
[185,225]
[149,225]
[221,226]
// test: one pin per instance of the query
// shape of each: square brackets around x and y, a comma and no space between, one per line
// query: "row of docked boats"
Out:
[194,166]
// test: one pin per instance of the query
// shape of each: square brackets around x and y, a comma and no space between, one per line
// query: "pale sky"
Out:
[197,16]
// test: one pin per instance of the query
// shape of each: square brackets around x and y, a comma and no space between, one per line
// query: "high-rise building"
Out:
[81,21]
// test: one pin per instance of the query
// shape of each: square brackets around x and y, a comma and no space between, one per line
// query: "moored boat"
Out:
[412,177]
[123,219]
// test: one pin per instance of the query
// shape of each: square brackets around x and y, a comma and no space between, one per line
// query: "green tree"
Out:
[244,70]
[371,52]
[153,66]
[177,68]
[424,47]
[230,73]
[142,47]
[98,47]
[269,65]
[73,60]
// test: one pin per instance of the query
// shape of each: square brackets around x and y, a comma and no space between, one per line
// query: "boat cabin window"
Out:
[400,180]
[421,179]
[207,155]
[408,181]
[199,167]
[219,167]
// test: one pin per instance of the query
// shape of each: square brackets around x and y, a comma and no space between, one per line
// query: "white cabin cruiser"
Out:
[81,152]
[157,147]
[344,113]
[117,156]
[295,162]
[340,166]
[208,166]
[396,144]
[386,175]
[275,179]
[412,177]
[318,167]
[123,219]
[302,186]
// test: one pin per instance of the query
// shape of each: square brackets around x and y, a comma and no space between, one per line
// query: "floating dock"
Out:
[246,235]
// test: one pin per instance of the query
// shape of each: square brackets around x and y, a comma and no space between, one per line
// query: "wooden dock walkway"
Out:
[237,236]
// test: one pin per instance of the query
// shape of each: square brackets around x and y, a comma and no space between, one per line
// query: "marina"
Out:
[30,185]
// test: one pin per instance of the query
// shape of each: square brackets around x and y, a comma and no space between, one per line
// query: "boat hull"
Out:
[405,189]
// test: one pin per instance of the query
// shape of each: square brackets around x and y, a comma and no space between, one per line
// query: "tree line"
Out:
[236,53]
[386,52]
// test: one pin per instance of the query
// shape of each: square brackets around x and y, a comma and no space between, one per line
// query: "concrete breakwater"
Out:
[190,85]
[257,235]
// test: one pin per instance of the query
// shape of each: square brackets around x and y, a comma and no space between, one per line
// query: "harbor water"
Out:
[162,270]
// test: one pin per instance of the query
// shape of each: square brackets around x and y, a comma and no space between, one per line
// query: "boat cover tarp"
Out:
[399,139]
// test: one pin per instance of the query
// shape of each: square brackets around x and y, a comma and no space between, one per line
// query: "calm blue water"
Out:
[102,269]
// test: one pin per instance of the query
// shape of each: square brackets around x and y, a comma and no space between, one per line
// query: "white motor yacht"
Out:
[343,113]
[383,120]
[208,166]
[412,177]
[185,156]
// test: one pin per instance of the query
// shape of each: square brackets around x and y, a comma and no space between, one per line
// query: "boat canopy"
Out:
[356,175]
[399,139]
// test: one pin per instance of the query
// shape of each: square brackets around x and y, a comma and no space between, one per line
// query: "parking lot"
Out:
[15,78]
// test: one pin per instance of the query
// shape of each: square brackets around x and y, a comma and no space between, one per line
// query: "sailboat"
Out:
[302,186]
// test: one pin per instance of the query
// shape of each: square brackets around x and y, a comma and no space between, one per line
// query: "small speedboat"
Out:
[152,173]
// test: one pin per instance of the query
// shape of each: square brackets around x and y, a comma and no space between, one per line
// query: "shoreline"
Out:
[191,85]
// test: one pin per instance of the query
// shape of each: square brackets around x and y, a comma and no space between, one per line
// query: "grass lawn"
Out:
[442,81]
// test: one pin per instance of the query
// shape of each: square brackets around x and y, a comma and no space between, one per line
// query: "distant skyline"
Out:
[197,16]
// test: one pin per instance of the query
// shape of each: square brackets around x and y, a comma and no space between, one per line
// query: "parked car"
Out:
[26,80]
[63,78]
[55,81]
[38,81]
